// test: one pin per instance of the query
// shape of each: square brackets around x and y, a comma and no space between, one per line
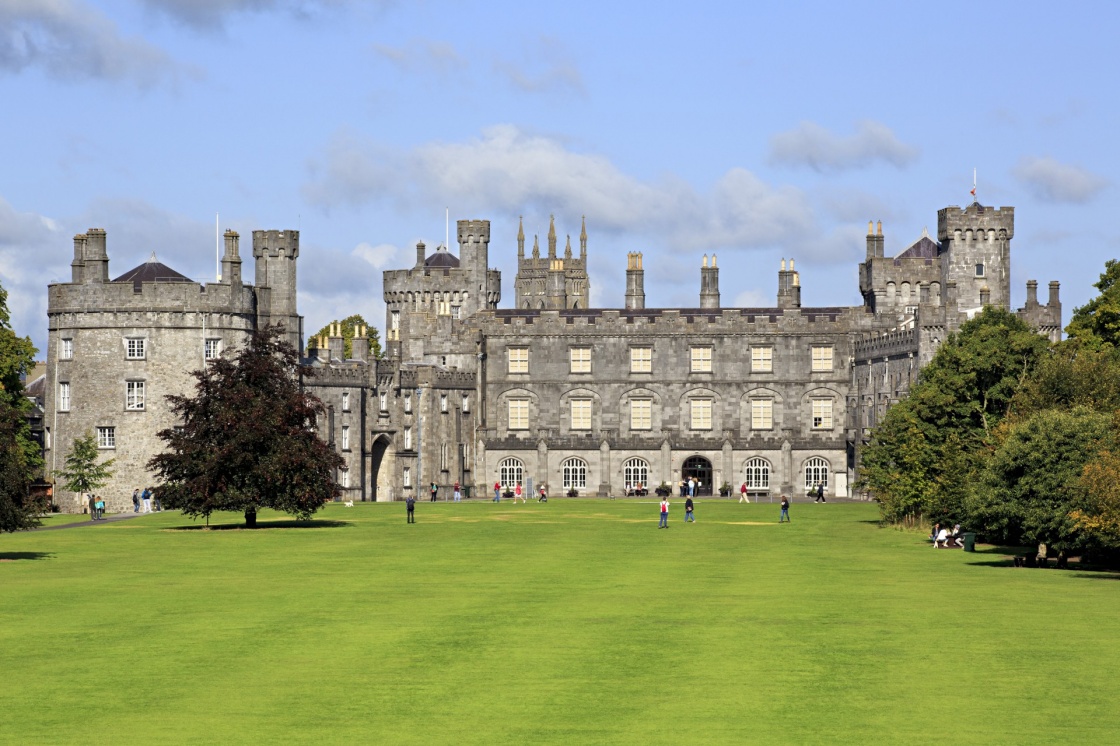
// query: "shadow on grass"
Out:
[16,556]
[263,525]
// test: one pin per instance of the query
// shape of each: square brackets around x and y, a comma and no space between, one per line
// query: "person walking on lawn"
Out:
[410,506]
[783,517]
[664,513]
[688,515]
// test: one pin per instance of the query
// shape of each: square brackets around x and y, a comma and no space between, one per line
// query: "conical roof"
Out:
[152,271]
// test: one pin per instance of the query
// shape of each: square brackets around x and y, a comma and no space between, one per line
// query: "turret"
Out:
[275,253]
[635,281]
[231,262]
[789,286]
[709,284]
[975,250]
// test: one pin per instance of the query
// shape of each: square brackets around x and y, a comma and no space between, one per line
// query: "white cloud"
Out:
[33,251]
[378,256]
[1053,181]
[511,172]
[212,14]
[70,40]
[753,299]
[816,147]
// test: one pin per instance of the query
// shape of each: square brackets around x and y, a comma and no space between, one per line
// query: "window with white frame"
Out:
[581,414]
[701,360]
[456,312]
[106,437]
[634,472]
[762,359]
[65,349]
[383,401]
[408,438]
[63,396]
[641,414]
[510,473]
[641,359]
[518,358]
[345,401]
[574,472]
[345,439]
[466,403]
[518,414]
[406,477]
[822,414]
[134,395]
[816,472]
[762,414]
[822,358]
[701,414]
[580,358]
[757,474]
[343,477]
[443,402]
[135,347]
[211,349]
[408,403]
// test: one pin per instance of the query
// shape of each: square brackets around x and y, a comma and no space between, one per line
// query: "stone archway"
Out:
[382,457]
[700,469]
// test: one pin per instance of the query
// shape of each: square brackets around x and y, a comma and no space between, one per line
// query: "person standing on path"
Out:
[743,494]
[458,494]
[688,516]
[99,506]
[784,516]
[435,491]
[92,502]
[410,505]
[664,513]
[497,492]
[146,498]
[136,500]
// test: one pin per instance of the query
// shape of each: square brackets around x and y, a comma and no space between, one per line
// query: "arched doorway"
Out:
[700,469]
[380,475]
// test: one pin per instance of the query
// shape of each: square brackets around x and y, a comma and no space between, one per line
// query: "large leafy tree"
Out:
[19,453]
[17,355]
[349,324]
[83,471]
[924,454]
[247,439]
[1098,321]
[1073,374]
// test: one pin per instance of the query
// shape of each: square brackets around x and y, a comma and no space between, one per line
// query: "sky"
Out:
[754,131]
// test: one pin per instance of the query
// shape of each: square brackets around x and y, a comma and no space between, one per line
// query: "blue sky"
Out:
[756,131]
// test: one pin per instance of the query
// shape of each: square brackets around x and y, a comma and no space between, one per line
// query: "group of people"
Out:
[518,493]
[96,505]
[690,512]
[691,487]
[943,538]
[142,500]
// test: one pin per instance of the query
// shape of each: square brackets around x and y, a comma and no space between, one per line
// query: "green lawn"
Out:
[572,622]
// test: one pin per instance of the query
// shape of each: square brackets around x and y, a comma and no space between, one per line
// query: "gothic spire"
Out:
[583,239]
[551,237]
[520,239]
[568,248]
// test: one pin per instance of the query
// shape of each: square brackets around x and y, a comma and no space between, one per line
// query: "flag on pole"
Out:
[973,190]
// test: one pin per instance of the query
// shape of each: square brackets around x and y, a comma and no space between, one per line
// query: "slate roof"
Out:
[924,248]
[442,258]
[152,271]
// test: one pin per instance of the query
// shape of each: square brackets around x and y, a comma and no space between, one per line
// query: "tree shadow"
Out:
[263,525]
[16,556]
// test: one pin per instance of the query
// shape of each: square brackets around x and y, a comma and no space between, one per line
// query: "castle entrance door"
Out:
[700,469]
[378,478]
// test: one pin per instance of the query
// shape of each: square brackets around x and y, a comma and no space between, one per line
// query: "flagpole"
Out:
[217,249]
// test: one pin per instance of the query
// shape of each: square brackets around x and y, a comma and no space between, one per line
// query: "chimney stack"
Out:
[635,281]
[709,284]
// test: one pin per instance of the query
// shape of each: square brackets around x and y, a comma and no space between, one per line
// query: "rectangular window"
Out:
[47,438]
[822,414]
[443,457]
[762,359]
[408,438]
[383,401]
[701,414]
[63,397]
[456,312]
[701,359]
[212,349]
[641,359]
[394,320]
[822,358]
[979,270]
[134,395]
[135,347]
[641,414]
[518,414]
[407,403]
[762,414]
[466,403]
[406,477]
[343,477]
[518,359]
[345,401]
[345,438]
[443,402]
[65,349]
[580,359]
[106,437]
[443,308]
[581,414]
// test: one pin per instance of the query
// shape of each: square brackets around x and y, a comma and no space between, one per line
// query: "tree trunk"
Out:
[250,518]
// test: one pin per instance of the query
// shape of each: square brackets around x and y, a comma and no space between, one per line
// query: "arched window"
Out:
[575,473]
[816,471]
[510,473]
[635,472]
[757,474]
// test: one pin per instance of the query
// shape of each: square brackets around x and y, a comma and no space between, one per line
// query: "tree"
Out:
[83,472]
[247,440]
[17,355]
[348,325]
[1097,322]
[17,510]
[1032,482]
[922,456]
[1072,374]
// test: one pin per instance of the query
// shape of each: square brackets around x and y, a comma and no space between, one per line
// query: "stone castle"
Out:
[585,400]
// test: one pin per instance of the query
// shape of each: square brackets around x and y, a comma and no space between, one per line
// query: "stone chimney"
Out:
[420,254]
[336,343]
[1032,294]
[874,240]
[635,281]
[96,259]
[359,345]
[709,284]
[231,262]
[789,286]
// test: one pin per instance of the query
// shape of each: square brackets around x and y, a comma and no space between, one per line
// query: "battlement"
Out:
[275,243]
[472,231]
[975,218]
[156,296]
[679,320]
[887,344]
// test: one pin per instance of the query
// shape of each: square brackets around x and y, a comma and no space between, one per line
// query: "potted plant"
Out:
[725,489]
[508,494]
[664,490]
[573,492]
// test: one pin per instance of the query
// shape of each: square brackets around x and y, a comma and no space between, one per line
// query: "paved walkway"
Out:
[114,518]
